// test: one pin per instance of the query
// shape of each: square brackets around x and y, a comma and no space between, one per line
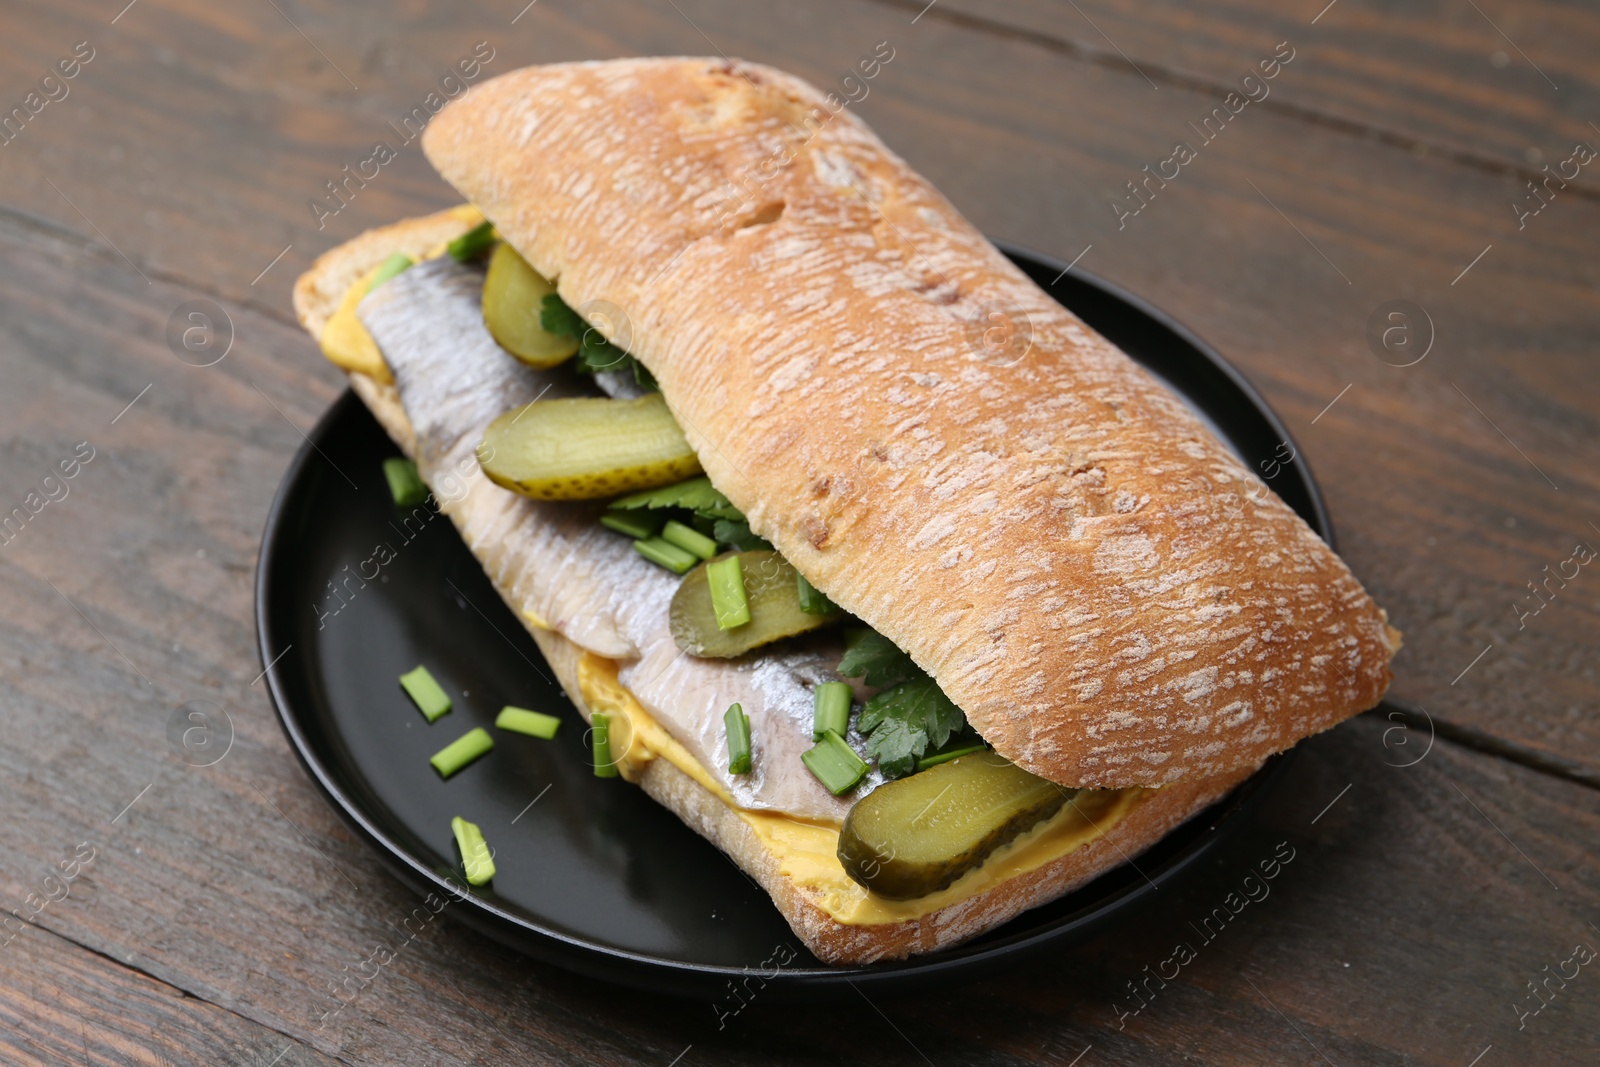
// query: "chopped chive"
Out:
[462,751]
[728,600]
[812,600]
[738,724]
[397,262]
[667,554]
[638,525]
[475,855]
[523,721]
[933,759]
[425,692]
[831,701]
[472,244]
[405,484]
[834,763]
[693,541]
[600,732]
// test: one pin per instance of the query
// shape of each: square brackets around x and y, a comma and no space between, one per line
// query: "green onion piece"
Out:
[831,701]
[668,555]
[812,600]
[728,600]
[472,244]
[600,733]
[462,751]
[738,724]
[474,851]
[636,524]
[523,721]
[425,692]
[676,533]
[835,764]
[397,262]
[405,484]
[933,759]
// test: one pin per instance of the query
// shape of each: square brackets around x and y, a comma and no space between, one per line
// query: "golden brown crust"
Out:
[1110,596]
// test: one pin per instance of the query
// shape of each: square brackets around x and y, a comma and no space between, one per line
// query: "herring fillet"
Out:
[453,381]
[556,566]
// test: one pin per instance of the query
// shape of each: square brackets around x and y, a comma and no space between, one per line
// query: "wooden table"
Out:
[1388,159]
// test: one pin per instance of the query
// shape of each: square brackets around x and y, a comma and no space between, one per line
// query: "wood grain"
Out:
[1496,85]
[62,1004]
[191,143]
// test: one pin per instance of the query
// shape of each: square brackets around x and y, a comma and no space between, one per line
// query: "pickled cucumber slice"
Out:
[769,588]
[580,448]
[916,835]
[512,294]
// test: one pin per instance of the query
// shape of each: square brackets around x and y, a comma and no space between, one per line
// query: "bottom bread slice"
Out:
[830,939]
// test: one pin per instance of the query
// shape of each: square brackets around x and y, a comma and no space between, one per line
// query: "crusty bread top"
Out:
[1112,598]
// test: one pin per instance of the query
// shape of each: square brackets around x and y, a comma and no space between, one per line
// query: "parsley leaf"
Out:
[896,745]
[876,660]
[556,317]
[696,494]
[595,353]
[643,378]
[736,532]
[906,722]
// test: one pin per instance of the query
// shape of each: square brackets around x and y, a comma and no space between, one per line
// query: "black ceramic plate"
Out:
[592,874]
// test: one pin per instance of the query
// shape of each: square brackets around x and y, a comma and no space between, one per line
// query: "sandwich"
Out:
[874,564]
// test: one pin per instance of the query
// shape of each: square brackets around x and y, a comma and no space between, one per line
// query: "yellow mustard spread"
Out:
[346,342]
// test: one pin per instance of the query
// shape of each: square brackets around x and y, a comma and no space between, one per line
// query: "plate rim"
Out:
[683,978]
